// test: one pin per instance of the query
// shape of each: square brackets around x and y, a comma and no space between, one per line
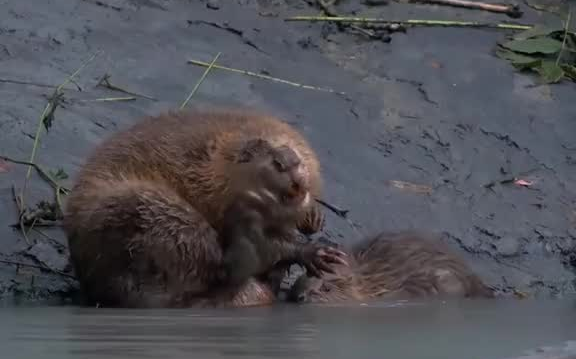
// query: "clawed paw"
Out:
[320,259]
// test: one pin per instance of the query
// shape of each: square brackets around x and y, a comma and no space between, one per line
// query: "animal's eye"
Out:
[279,166]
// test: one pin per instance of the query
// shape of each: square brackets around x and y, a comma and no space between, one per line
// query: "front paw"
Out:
[318,258]
[313,221]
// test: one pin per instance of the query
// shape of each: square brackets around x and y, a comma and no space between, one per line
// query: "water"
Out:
[418,330]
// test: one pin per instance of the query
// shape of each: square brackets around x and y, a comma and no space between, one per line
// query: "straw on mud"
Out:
[411,22]
[58,191]
[18,202]
[566,30]
[41,171]
[27,83]
[210,66]
[105,82]
[111,99]
[50,107]
[266,77]
[510,10]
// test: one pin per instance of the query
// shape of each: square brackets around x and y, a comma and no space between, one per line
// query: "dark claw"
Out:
[332,255]
[325,267]
[317,259]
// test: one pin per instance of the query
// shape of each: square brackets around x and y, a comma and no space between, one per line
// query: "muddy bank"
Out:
[432,108]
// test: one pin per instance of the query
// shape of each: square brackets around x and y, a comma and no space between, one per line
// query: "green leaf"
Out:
[542,45]
[59,174]
[550,72]
[538,31]
[515,58]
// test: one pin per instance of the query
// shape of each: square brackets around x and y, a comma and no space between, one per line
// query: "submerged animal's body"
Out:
[394,265]
[145,213]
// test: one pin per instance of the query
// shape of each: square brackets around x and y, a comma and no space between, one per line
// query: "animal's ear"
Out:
[252,149]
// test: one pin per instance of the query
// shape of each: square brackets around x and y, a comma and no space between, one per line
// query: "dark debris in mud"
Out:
[433,132]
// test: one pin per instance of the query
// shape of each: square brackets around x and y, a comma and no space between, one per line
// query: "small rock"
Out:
[213,4]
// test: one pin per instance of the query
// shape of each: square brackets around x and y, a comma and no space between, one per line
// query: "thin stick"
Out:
[566,29]
[43,116]
[266,77]
[412,22]
[41,223]
[37,84]
[21,226]
[200,81]
[28,83]
[105,82]
[510,10]
[111,99]
[38,267]
[45,175]
[338,211]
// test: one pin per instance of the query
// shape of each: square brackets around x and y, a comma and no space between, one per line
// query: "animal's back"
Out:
[415,264]
[190,151]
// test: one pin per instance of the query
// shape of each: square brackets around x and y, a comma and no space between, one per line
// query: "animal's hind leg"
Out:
[137,244]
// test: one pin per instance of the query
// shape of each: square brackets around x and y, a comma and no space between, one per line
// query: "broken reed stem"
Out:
[21,225]
[112,99]
[412,22]
[41,171]
[105,82]
[566,30]
[200,81]
[265,77]
[58,191]
[510,10]
[47,109]
[336,210]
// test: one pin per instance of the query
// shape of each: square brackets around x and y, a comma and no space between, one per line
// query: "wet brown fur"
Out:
[394,265]
[142,219]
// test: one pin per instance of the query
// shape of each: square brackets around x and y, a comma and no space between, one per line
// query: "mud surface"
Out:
[433,108]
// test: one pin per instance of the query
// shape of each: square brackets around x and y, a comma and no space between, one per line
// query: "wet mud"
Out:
[428,130]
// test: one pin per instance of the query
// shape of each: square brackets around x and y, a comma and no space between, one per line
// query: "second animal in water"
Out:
[393,265]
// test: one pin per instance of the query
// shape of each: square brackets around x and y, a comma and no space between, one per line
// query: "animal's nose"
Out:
[301,298]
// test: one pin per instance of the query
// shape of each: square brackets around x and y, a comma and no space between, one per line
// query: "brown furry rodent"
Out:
[144,216]
[402,264]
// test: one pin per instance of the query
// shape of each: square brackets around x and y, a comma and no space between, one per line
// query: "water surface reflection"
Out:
[417,330]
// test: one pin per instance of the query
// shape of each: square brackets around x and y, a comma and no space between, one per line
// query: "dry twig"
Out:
[411,22]
[338,211]
[510,10]
[200,81]
[105,82]
[46,118]
[266,77]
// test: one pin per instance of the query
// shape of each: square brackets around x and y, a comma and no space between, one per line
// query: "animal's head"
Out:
[332,287]
[278,170]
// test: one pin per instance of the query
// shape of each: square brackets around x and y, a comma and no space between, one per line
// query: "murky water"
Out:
[461,330]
